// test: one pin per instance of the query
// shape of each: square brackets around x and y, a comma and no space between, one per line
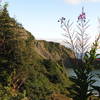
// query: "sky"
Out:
[40,16]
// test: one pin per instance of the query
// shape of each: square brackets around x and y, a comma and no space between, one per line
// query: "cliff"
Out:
[30,68]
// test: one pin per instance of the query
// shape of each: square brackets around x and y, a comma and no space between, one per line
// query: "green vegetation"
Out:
[26,72]
[83,80]
[36,70]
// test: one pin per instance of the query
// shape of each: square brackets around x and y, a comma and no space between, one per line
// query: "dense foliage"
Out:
[25,74]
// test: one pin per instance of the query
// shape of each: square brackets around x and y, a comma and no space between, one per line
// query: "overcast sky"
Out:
[40,16]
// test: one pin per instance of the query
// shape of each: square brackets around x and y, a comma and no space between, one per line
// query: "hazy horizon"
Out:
[40,16]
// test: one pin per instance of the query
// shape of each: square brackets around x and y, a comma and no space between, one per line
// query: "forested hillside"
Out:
[30,69]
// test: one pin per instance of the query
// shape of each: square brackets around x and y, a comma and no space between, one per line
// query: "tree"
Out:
[13,68]
[78,42]
[7,45]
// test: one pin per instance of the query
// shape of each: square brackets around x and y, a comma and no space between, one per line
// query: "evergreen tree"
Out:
[7,45]
[12,52]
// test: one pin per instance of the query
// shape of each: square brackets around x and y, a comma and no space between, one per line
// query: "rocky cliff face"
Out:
[47,50]
[53,51]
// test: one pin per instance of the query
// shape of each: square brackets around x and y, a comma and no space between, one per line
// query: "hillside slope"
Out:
[30,68]
[54,51]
